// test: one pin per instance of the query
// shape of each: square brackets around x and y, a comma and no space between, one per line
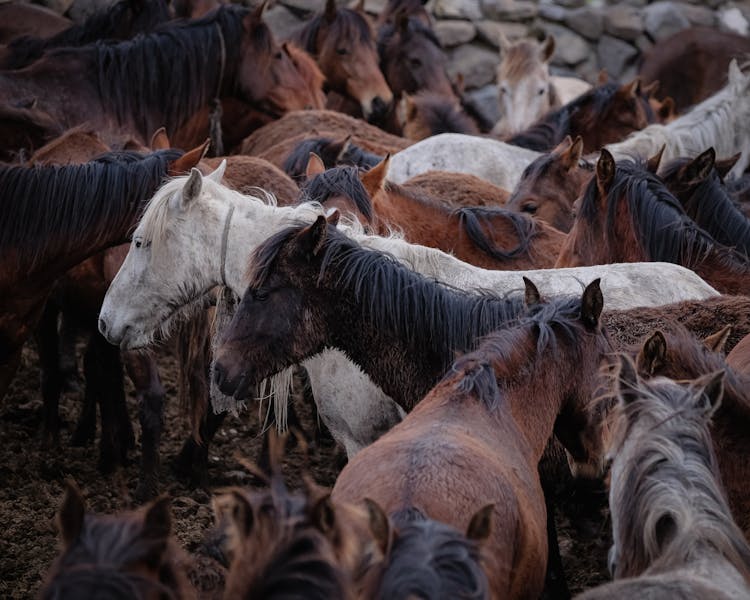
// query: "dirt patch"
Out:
[31,485]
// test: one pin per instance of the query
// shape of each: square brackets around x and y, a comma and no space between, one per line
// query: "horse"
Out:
[720,121]
[680,356]
[698,187]
[515,241]
[188,64]
[457,189]
[155,275]
[691,65]
[21,18]
[739,357]
[672,529]
[478,436]
[550,185]
[124,556]
[426,114]
[603,115]
[332,152]
[497,162]
[342,42]
[120,21]
[626,214]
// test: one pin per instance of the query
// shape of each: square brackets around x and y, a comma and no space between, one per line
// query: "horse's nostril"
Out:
[220,374]
[102,326]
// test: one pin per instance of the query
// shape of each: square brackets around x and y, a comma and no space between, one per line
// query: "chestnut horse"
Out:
[692,64]
[341,40]
[120,21]
[479,434]
[491,238]
[673,533]
[550,185]
[603,115]
[164,78]
[678,355]
[126,556]
[626,214]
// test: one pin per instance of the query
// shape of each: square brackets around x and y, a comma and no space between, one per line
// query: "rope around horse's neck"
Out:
[217,141]
[224,244]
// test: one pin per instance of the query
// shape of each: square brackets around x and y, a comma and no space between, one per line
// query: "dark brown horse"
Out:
[166,78]
[426,114]
[341,40]
[332,152]
[627,215]
[130,556]
[603,115]
[22,18]
[692,65]
[120,21]
[478,436]
[550,185]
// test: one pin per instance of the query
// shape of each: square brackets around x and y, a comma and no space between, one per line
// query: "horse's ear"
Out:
[723,166]
[735,74]
[313,237]
[627,380]
[157,523]
[717,342]
[218,173]
[374,179]
[192,188]
[652,164]
[571,157]
[667,110]
[531,295]
[602,77]
[315,166]
[652,354]
[188,160]
[330,10]
[548,49]
[332,216]
[344,145]
[480,526]
[650,89]
[700,167]
[71,514]
[380,526]
[592,304]
[360,6]
[402,22]
[322,515]
[632,89]
[160,140]
[710,391]
[605,170]
[256,16]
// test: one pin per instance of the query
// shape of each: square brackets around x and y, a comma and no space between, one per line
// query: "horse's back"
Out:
[21,18]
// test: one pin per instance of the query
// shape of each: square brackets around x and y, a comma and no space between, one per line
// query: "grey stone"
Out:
[636,3]
[615,55]
[663,19]
[520,10]
[588,69]
[453,32]
[571,3]
[623,22]
[304,6]
[373,7]
[589,22]
[732,19]
[699,15]
[486,100]
[457,9]
[281,21]
[491,8]
[570,48]
[489,31]
[552,12]
[476,63]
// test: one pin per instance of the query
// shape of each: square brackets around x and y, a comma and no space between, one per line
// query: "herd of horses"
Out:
[482,312]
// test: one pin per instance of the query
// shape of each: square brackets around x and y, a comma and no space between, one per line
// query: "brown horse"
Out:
[478,436]
[672,529]
[739,357]
[603,115]
[120,21]
[248,173]
[681,356]
[125,556]
[164,78]
[692,65]
[457,190]
[627,215]
[332,152]
[341,40]
[550,185]
[426,114]
[491,238]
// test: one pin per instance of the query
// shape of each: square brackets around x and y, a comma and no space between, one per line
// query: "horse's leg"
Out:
[192,461]
[67,356]
[51,377]
[143,372]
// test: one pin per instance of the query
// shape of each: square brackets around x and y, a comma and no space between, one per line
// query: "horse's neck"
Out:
[724,272]
[419,218]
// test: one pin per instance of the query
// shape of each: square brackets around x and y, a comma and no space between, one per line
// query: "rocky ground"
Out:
[31,485]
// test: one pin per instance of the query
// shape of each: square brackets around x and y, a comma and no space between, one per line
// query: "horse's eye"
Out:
[260,295]
[138,243]
[540,92]
[503,90]
[415,62]
[342,51]
[529,207]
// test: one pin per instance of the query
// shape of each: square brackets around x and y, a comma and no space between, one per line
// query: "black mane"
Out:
[62,205]
[121,20]
[475,220]
[339,181]
[330,152]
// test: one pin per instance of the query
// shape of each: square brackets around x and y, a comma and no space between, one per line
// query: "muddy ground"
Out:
[31,484]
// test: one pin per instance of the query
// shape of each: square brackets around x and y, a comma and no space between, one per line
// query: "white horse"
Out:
[196,234]
[497,162]
[721,121]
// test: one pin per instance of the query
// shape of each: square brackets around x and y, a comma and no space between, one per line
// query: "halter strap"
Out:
[224,244]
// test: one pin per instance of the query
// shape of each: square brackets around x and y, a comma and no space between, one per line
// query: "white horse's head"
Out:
[523,84]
